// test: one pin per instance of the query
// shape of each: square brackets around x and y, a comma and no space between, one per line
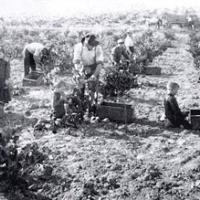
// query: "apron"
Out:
[89,70]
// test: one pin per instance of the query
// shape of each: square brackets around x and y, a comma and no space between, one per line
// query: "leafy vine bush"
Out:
[19,167]
[14,37]
[14,41]
[169,34]
[147,47]
[117,82]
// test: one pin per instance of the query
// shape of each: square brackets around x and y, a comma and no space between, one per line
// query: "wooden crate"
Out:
[116,112]
[33,79]
[136,69]
[194,117]
[152,70]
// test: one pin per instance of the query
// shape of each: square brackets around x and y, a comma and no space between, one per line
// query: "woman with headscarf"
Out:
[88,61]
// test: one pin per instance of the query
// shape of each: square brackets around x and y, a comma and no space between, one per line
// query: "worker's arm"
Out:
[77,58]
[99,60]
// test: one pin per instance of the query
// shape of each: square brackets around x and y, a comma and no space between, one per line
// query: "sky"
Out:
[75,7]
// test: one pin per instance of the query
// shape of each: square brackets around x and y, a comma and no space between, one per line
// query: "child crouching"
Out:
[68,109]
[58,109]
[174,116]
[60,99]
[58,105]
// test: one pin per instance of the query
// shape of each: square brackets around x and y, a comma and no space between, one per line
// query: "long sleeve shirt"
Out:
[172,110]
[118,53]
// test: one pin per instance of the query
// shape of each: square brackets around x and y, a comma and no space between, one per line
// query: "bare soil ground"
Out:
[107,161]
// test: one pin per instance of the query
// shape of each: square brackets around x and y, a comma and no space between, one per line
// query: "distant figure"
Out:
[5,95]
[119,53]
[34,53]
[159,23]
[190,22]
[155,22]
[174,116]
[129,44]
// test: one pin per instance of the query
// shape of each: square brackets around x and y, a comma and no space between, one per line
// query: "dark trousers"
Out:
[176,123]
[5,94]
[29,62]
[131,49]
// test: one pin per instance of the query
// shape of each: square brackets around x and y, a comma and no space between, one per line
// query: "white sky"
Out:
[71,7]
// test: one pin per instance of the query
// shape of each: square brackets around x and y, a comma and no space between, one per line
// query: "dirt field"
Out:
[107,161]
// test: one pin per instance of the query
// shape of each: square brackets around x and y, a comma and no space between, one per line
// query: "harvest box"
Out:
[152,71]
[117,112]
[136,69]
[33,79]
[194,116]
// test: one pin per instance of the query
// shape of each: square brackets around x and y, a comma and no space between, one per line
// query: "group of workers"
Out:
[88,61]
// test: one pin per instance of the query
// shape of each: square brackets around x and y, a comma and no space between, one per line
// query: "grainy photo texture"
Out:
[99,100]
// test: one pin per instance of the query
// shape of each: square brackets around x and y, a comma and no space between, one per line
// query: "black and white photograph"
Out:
[99,100]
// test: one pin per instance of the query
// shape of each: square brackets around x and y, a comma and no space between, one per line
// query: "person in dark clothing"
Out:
[174,116]
[58,105]
[159,23]
[58,109]
[119,52]
[5,94]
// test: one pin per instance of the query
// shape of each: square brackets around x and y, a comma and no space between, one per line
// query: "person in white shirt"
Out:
[88,61]
[129,43]
[34,53]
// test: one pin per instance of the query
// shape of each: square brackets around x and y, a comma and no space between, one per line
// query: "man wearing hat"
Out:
[35,53]
[119,52]
[88,60]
